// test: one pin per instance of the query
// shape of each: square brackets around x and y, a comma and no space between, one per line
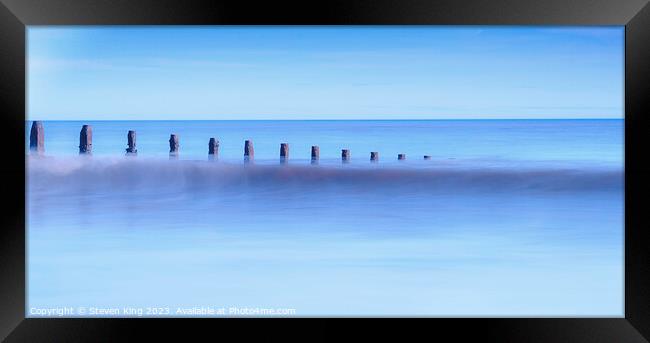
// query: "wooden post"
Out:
[345,155]
[86,140]
[37,138]
[374,156]
[173,146]
[284,152]
[213,148]
[401,157]
[315,154]
[427,157]
[130,137]
[249,152]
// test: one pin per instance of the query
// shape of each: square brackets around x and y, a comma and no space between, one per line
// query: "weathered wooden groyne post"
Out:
[345,155]
[427,157]
[401,157]
[374,156]
[213,149]
[249,152]
[315,154]
[86,140]
[173,146]
[130,141]
[284,152]
[37,138]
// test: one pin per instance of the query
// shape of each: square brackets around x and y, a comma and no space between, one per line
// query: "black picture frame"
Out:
[15,15]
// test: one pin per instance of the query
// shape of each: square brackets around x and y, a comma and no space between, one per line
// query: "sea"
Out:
[507,218]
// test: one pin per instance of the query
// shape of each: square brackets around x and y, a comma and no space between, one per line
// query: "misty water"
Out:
[508,218]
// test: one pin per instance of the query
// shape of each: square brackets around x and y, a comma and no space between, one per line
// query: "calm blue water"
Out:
[536,140]
[509,218]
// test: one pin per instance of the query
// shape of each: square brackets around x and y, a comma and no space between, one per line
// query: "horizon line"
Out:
[351,119]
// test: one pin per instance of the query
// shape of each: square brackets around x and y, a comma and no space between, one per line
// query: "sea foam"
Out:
[64,174]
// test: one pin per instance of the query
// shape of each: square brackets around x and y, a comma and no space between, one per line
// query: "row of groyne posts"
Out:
[37,146]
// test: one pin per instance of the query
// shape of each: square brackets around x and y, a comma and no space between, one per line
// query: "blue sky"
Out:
[423,72]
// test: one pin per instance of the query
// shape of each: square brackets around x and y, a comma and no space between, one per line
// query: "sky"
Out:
[339,72]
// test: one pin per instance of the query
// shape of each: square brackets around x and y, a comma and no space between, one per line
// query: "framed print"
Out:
[450,165]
